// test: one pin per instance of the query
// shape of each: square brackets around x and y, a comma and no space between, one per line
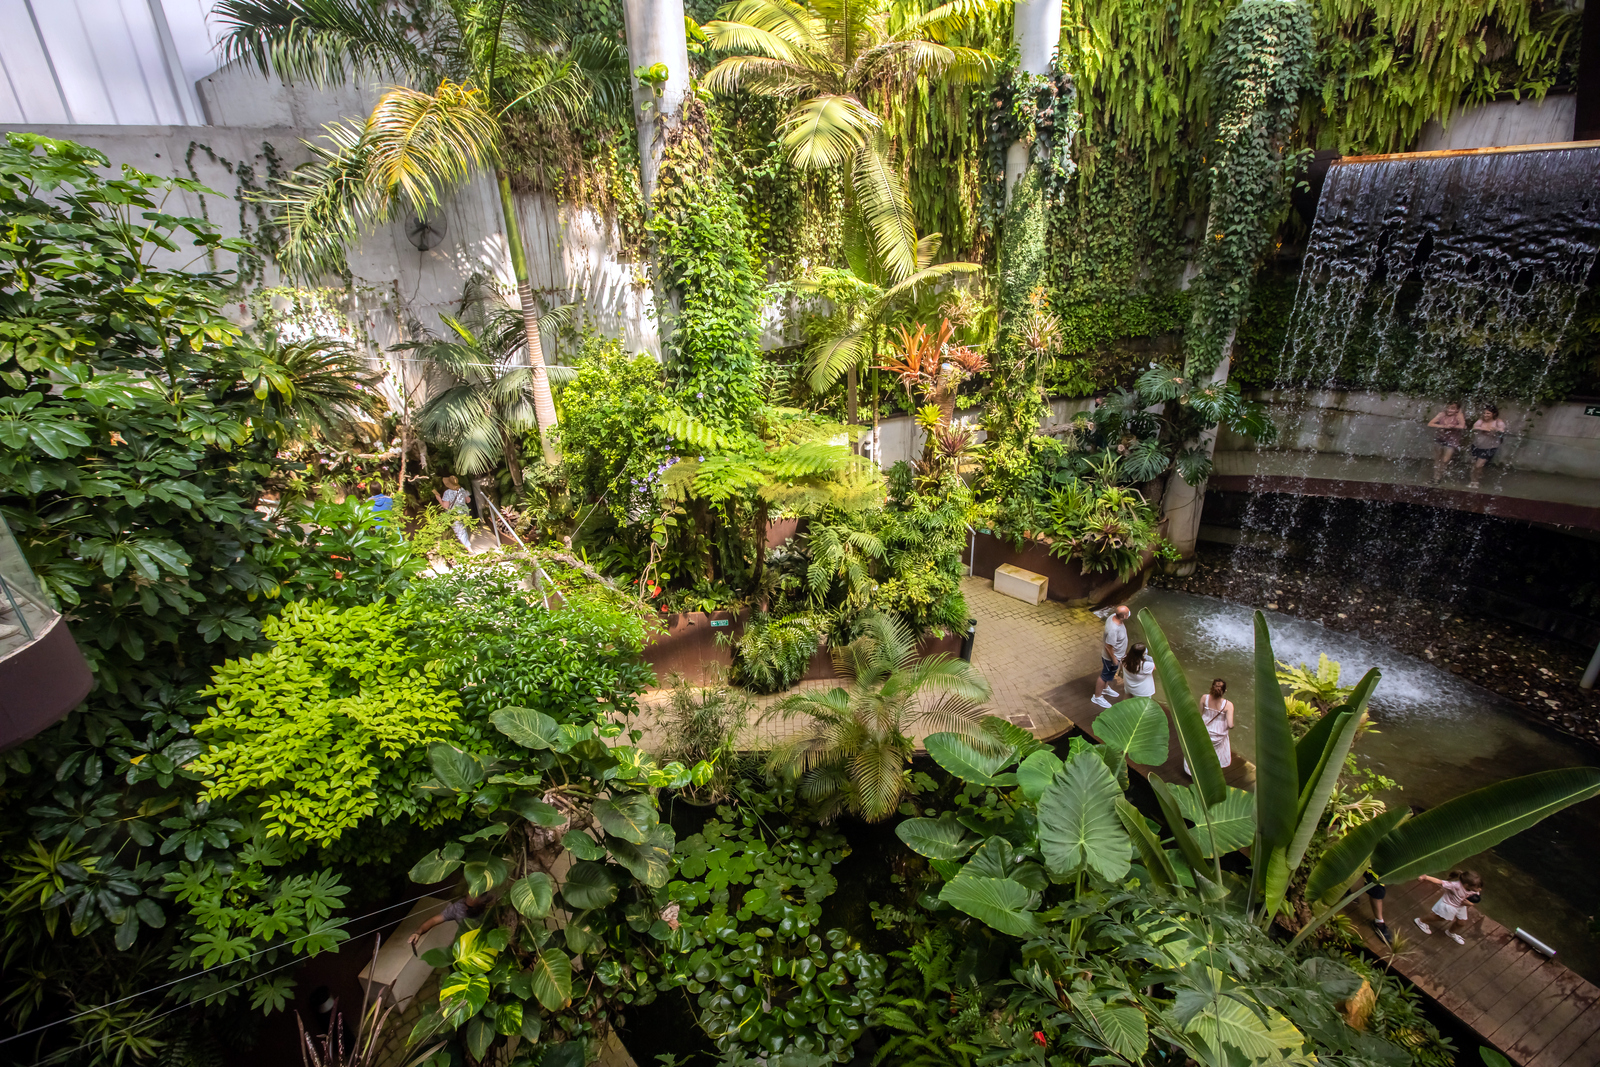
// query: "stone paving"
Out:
[1037,660]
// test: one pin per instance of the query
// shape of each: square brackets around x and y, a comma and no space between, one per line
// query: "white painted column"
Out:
[655,30]
[1183,502]
[1036,31]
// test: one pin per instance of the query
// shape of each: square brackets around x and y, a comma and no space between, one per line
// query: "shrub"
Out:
[772,654]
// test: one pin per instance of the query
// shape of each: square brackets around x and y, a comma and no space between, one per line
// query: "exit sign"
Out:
[1592,409]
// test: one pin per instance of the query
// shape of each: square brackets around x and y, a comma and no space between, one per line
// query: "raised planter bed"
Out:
[1068,582]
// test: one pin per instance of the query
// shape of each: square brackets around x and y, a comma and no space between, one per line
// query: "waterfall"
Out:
[1451,276]
[1426,279]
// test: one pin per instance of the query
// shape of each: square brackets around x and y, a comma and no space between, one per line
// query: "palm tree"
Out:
[854,754]
[472,65]
[490,401]
[828,56]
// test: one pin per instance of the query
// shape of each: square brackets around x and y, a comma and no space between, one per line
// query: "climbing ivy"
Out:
[1258,71]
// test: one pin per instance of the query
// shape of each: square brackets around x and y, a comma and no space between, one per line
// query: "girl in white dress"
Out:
[1217,711]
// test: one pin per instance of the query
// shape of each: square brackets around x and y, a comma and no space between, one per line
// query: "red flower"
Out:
[1038,1035]
[339,575]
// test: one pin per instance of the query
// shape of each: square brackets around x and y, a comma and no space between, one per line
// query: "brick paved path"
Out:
[1036,658]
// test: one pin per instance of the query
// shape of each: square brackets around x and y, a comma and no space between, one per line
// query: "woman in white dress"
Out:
[1217,712]
[1139,672]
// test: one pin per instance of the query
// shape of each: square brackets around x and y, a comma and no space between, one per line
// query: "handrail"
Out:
[1443,153]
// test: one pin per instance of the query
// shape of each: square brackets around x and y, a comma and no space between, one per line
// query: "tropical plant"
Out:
[771,655]
[702,724]
[852,754]
[1319,686]
[473,67]
[313,388]
[927,363]
[1105,527]
[829,58]
[491,398]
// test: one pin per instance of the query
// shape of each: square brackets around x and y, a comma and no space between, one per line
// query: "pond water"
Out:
[1437,737]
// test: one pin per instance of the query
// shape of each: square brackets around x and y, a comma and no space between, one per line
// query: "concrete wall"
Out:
[1557,439]
[1501,123]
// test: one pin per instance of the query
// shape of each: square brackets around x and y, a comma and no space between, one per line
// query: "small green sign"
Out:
[720,622]
[1591,409]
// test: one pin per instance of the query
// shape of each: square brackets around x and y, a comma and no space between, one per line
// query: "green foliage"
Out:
[613,452]
[328,727]
[749,945]
[1103,527]
[1016,394]
[771,655]
[708,272]
[704,724]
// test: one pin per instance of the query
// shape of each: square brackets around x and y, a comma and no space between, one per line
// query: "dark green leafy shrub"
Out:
[773,654]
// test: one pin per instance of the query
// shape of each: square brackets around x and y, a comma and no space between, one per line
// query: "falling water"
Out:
[1445,278]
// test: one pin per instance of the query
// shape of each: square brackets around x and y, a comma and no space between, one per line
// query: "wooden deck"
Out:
[1529,1007]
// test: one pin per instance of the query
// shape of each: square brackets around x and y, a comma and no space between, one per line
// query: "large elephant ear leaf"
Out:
[630,816]
[1137,728]
[1078,825]
[968,759]
[938,839]
[1001,903]
[528,728]
[1443,836]
[1036,772]
[458,770]
[650,860]
[1192,735]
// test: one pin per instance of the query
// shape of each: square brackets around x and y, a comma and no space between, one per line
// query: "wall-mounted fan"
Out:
[426,233]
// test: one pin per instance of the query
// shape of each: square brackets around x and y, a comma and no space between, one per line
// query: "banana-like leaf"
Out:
[938,839]
[1231,824]
[1315,793]
[1192,735]
[1277,776]
[1308,751]
[1441,837]
[1187,846]
[1150,850]
[1137,728]
[958,755]
[1344,860]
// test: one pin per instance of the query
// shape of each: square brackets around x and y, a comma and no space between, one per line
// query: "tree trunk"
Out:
[1182,503]
[544,405]
[654,29]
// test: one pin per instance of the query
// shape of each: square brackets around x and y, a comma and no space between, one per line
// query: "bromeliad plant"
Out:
[572,797]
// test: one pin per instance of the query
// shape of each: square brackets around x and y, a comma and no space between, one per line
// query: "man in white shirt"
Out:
[1114,648]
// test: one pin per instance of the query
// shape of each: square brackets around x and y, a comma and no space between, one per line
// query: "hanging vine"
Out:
[1041,110]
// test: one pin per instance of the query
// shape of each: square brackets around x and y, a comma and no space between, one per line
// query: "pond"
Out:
[1437,737]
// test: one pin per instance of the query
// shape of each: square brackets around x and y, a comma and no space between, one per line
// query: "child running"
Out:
[1459,889]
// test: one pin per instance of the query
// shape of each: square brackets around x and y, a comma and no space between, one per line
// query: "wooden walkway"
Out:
[1528,1006]
[1531,1008]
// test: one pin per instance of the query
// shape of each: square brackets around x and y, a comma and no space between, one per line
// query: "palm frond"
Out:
[827,130]
[326,203]
[786,20]
[418,144]
[319,41]
[831,358]
[886,210]
[760,76]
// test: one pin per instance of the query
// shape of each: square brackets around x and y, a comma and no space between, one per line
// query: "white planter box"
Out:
[1024,585]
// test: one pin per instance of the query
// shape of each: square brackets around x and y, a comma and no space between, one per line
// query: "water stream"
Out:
[1437,737]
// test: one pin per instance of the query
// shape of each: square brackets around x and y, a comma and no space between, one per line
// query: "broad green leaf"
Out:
[528,728]
[485,874]
[1232,823]
[1277,880]
[997,902]
[1078,825]
[538,812]
[630,816]
[1347,856]
[1443,836]
[533,895]
[470,989]
[650,861]
[565,1054]
[458,770]
[1277,776]
[1166,797]
[551,971]
[995,858]
[1227,1022]
[1137,728]
[583,933]
[1035,773]
[1315,793]
[1192,735]
[962,757]
[582,845]
[1009,733]
[588,885]
[437,865]
[480,1035]
[938,839]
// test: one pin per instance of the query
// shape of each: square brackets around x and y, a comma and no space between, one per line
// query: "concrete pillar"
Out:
[1036,31]
[655,30]
[1183,502]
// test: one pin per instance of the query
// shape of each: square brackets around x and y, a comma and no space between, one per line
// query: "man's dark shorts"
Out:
[1378,890]
[1108,669]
